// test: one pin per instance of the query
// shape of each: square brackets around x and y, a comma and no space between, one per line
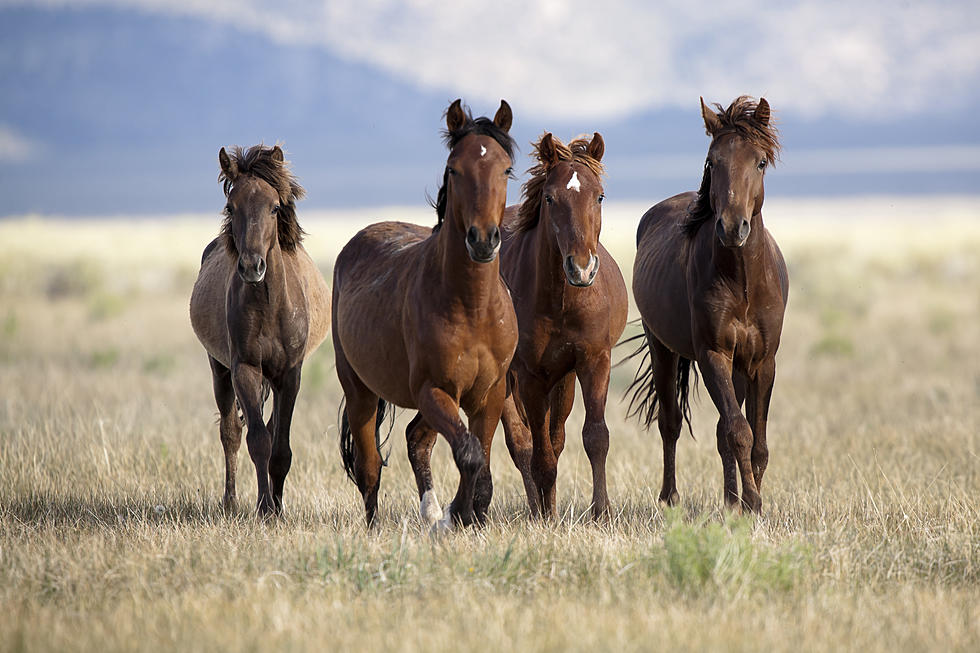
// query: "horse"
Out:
[711,286]
[422,320]
[259,307]
[571,305]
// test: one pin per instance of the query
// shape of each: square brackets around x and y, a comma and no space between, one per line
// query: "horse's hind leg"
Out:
[483,424]
[282,416]
[361,410]
[420,438]
[665,364]
[229,428]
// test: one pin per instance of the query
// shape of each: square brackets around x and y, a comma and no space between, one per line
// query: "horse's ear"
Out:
[762,112]
[711,121]
[547,153]
[228,166]
[597,146]
[277,155]
[504,117]
[455,116]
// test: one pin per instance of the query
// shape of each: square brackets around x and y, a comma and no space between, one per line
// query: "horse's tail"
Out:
[385,411]
[645,402]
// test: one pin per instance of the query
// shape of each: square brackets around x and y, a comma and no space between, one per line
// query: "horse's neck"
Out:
[470,284]
[549,282]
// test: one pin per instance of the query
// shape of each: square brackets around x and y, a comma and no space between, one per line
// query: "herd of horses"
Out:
[495,311]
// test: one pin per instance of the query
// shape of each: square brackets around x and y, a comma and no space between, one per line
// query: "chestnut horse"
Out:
[711,286]
[259,307]
[571,306]
[422,319]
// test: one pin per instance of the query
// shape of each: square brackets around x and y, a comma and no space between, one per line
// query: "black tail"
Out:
[644,402]
[385,411]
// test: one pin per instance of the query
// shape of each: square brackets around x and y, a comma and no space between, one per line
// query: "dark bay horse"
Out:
[711,286]
[422,319]
[571,306]
[259,307]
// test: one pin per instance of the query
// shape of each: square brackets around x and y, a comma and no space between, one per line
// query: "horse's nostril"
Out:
[720,228]
[472,236]
[494,236]
[260,267]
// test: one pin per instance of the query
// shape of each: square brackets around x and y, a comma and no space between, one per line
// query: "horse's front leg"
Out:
[229,428]
[441,412]
[519,444]
[282,454]
[593,373]
[757,411]
[247,380]
[483,423]
[733,428]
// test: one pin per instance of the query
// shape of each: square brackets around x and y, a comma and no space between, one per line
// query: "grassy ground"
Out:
[111,535]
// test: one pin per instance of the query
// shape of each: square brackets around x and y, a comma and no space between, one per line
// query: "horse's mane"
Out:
[259,162]
[738,118]
[482,126]
[531,192]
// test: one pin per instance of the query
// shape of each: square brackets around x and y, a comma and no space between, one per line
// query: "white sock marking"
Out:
[574,183]
[431,512]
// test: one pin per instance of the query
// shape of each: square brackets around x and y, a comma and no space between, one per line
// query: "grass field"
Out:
[112,537]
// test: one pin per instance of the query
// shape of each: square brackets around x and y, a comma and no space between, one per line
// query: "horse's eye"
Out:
[707,164]
[762,164]
[601,197]
[549,200]
[509,171]
[275,208]
[450,171]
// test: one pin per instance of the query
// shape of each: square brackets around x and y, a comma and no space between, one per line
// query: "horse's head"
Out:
[474,187]
[566,194]
[260,213]
[743,145]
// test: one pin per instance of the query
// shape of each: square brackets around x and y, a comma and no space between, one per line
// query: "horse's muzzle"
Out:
[578,276]
[483,251]
[733,237]
[251,268]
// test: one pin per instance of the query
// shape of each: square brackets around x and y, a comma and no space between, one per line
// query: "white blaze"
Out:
[483,150]
[574,183]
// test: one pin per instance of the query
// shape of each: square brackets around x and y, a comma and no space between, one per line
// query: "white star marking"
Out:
[574,183]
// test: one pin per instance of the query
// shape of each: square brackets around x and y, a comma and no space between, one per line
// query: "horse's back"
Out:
[660,272]
[375,247]
[207,306]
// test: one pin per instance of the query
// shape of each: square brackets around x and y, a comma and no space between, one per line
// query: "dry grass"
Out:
[110,473]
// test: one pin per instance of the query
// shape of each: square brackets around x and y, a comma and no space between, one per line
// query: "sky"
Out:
[120,106]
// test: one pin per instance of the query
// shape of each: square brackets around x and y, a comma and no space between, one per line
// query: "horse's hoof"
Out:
[671,498]
[429,508]
[441,527]
[751,502]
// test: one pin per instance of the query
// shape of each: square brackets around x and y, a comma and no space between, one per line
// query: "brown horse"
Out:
[259,307]
[422,319]
[571,307]
[711,286]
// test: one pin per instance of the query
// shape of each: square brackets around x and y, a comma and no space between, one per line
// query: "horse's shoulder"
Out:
[212,246]
[671,210]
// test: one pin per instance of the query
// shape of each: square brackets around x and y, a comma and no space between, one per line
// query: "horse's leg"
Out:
[593,373]
[544,463]
[716,370]
[669,418]
[361,409]
[483,423]
[229,428]
[725,449]
[247,380]
[441,412]
[282,416]
[420,438]
[518,438]
[560,401]
[757,411]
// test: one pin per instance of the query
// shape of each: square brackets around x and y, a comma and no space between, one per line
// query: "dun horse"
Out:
[711,286]
[422,319]
[571,306]
[259,307]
